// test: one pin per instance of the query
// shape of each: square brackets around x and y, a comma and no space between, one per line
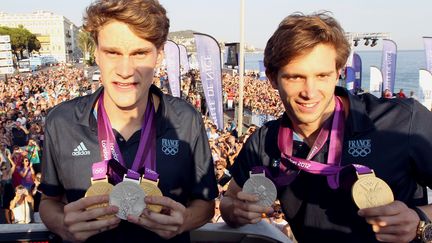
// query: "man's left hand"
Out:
[394,222]
[168,223]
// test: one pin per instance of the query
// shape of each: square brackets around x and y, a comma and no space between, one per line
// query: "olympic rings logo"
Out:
[98,171]
[362,152]
[170,150]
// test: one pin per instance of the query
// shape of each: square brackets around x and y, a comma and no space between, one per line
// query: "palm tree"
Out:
[87,45]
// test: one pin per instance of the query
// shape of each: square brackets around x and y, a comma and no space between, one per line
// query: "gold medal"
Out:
[151,189]
[100,187]
[370,191]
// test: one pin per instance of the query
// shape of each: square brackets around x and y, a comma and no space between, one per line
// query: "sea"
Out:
[408,63]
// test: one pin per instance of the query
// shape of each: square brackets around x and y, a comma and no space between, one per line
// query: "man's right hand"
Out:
[247,210]
[239,208]
[80,223]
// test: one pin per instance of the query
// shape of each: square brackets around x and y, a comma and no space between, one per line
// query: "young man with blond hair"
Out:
[129,37]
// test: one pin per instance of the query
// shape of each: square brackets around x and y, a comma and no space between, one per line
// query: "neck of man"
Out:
[127,121]
[309,132]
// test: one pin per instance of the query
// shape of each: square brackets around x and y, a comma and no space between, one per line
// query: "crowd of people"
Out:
[202,172]
[27,98]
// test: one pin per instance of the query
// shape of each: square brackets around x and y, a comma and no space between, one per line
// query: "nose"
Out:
[125,68]
[309,90]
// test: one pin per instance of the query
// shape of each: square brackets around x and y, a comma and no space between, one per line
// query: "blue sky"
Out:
[406,21]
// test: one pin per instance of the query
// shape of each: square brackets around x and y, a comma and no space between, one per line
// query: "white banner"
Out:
[5,47]
[425,88]
[6,70]
[376,80]
[5,55]
[4,38]
[6,62]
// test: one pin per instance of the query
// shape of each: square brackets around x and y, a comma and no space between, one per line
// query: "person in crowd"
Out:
[401,94]
[129,37]
[277,219]
[213,134]
[21,119]
[388,94]
[22,206]
[19,134]
[36,193]
[18,158]
[5,154]
[361,136]
[32,151]
[7,188]
[217,218]
[222,175]
[6,139]
[27,174]
[412,95]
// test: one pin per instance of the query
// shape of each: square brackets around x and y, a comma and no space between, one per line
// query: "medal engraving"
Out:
[151,189]
[369,191]
[129,198]
[263,187]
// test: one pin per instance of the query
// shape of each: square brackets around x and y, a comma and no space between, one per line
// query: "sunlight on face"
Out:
[306,86]
[126,62]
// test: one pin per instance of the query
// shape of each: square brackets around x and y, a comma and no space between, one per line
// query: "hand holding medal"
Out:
[99,185]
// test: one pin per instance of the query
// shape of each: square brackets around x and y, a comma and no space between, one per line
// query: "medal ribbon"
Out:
[332,168]
[146,154]
[99,170]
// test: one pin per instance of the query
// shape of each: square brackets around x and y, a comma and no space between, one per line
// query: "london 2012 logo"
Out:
[170,146]
[360,148]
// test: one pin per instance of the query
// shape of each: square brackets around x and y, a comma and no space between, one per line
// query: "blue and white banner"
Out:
[209,59]
[262,74]
[376,80]
[349,78]
[184,61]
[425,88]
[428,50]
[172,60]
[357,65]
[388,64]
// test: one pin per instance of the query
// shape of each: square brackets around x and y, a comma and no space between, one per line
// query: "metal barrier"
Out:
[219,232]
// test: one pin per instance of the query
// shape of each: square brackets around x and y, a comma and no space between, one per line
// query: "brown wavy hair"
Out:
[297,34]
[146,18]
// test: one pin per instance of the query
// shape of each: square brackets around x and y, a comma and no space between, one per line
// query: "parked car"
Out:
[96,75]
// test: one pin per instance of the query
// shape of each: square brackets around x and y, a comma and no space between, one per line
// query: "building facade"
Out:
[57,34]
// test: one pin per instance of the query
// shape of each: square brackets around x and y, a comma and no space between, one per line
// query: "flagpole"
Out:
[241,71]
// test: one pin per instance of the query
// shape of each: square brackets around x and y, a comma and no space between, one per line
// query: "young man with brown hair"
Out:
[129,36]
[327,138]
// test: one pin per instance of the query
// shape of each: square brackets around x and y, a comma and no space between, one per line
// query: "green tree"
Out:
[87,46]
[21,39]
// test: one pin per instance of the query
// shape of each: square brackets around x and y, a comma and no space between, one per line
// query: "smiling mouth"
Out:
[308,105]
[125,85]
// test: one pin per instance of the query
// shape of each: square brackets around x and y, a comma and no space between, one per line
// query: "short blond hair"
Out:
[146,18]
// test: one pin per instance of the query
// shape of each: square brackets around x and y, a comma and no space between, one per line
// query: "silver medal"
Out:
[129,198]
[263,187]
